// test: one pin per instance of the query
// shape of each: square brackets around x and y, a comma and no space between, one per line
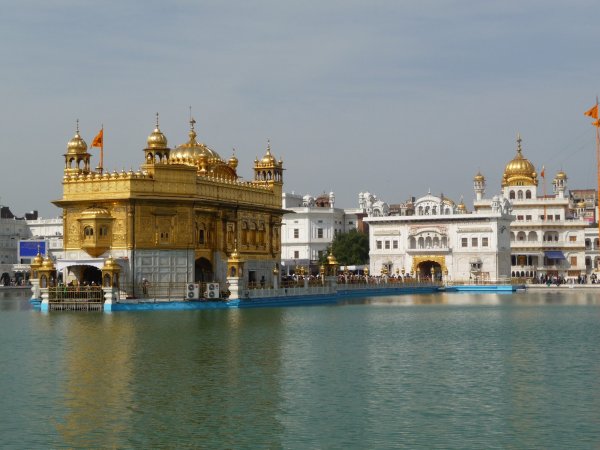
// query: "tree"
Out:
[351,248]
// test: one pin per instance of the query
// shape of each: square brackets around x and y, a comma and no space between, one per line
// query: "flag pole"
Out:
[597,124]
[543,174]
[102,151]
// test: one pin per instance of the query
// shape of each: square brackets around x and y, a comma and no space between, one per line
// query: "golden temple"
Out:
[176,219]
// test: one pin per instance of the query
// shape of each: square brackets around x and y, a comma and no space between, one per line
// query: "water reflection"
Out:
[152,375]
[435,371]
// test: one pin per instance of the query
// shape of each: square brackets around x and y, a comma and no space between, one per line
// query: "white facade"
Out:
[442,241]
[50,230]
[546,239]
[11,232]
[310,226]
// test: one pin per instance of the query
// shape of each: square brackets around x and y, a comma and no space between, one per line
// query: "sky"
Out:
[397,98]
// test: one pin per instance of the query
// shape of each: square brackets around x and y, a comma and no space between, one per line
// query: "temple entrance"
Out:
[91,276]
[203,271]
[424,269]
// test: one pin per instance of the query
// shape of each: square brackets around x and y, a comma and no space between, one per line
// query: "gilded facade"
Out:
[176,219]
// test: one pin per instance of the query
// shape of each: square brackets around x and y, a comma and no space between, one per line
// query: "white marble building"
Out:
[310,226]
[442,240]
[547,239]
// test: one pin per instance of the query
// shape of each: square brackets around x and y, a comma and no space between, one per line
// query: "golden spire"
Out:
[192,134]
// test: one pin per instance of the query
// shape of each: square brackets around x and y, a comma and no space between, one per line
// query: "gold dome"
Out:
[38,260]
[561,175]
[581,204]
[48,264]
[520,171]
[331,260]
[479,177]
[190,152]
[233,161]
[77,144]
[268,159]
[111,265]
[157,139]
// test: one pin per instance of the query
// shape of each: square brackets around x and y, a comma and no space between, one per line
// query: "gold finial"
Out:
[268,146]
[77,125]
[519,143]
[157,120]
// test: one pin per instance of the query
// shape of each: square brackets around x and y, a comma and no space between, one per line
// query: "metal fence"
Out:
[59,294]
[75,298]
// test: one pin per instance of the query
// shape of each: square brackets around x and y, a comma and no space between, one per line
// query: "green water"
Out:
[431,371]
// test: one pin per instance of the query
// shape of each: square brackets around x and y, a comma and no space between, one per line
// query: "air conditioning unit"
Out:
[192,291]
[212,290]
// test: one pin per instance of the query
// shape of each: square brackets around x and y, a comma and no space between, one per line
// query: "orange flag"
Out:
[592,112]
[543,172]
[99,139]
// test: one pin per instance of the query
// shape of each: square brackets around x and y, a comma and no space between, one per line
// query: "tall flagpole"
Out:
[543,174]
[102,151]
[597,124]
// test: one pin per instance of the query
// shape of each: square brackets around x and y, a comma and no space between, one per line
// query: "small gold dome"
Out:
[331,260]
[48,264]
[77,144]
[561,175]
[581,204]
[157,139]
[268,159]
[38,260]
[233,161]
[520,171]
[111,265]
[479,177]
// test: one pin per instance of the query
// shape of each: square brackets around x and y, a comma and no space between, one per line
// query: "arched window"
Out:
[421,242]
[521,236]
[88,232]
[532,237]
[511,195]
[412,243]
[528,194]
[520,195]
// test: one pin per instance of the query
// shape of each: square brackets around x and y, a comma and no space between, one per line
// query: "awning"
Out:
[554,254]
[64,263]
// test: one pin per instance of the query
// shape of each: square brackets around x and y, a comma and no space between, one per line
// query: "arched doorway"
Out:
[203,271]
[424,270]
[91,275]
[5,279]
